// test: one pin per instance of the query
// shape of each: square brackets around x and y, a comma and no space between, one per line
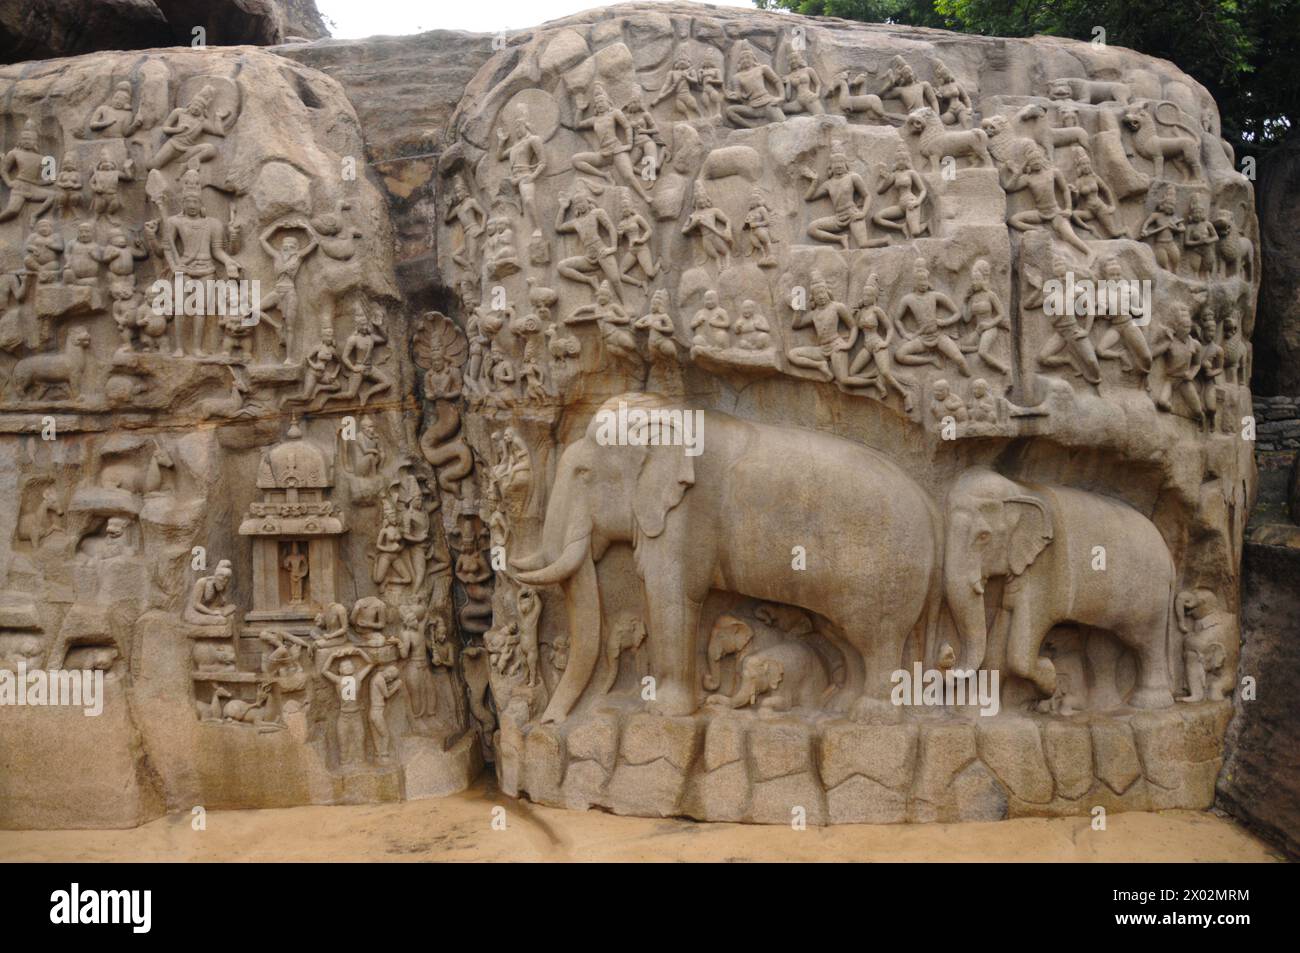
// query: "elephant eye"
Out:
[983,536]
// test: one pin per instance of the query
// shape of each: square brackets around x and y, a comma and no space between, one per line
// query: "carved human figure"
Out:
[1161,229]
[647,142]
[82,257]
[359,357]
[105,187]
[528,604]
[114,119]
[711,226]
[901,84]
[193,243]
[1070,344]
[21,169]
[207,604]
[983,406]
[678,85]
[658,324]
[466,210]
[185,129]
[751,330]
[1211,360]
[757,230]
[803,88]
[296,566]
[1050,195]
[984,308]
[830,355]
[349,726]
[121,255]
[711,324]
[68,182]
[930,341]
[1211,645]
[591,225]
[1179,355]
[43,253]
[614,137]
[756,93]
[417,675]
[523,149]
[320,373]
[390,567]
[1094,203]
[287,261]
[873,366]
[955,107]
[1200,240]
[909,193]
[946,403]
[499,253]
[711,91]
[370,617]
[635,233]
[1136,353]
[845,189]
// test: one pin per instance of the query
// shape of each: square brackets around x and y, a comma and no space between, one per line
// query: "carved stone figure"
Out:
[786,676]
[21,170]
[186,129]
[756,93]
[1211,644]
[207,603]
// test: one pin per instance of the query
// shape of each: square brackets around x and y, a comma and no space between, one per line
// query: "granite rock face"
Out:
[669,404]
[1278,336]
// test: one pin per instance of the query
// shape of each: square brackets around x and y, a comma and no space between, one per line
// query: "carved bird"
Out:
[540,297]
[562,348]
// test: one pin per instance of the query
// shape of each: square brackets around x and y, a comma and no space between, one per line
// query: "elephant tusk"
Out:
[978,586]
[575,551]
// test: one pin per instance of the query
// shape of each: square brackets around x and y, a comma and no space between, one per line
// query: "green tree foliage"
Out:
[1242,51]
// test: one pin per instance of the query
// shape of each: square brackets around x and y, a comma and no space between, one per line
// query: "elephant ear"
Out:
[773,673]
[665,475]
[1030,534]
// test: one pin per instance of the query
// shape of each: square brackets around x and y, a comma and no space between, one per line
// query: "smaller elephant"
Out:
[730,636]
[1211,645]
[626,636]
[790,675]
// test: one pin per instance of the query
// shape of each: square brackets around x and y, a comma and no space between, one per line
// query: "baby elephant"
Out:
[789,675]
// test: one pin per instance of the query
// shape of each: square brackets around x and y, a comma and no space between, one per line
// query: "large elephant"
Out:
[731,519]
[1042,540]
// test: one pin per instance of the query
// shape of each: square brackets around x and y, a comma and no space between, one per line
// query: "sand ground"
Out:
[461,828]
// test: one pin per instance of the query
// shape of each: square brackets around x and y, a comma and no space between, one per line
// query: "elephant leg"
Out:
[674,619]
[854,669]
[1102,654]
[882,655]
[1023,643]
[1148,642]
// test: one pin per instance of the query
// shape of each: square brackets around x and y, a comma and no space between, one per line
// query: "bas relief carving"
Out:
[927,440]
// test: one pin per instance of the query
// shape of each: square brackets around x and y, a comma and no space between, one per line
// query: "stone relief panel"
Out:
[792,379]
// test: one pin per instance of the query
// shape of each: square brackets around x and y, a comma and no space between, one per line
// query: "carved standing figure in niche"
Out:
[1050,195]
[105,187]
[359,357]
[712,227]
[614,137]
[757,230]
[909,188]
[955,107]
[590,223]
[207,603]
[1094,203]
[757,93]
[845,189]
[295,564]
[185,128]
[1070,344]
[523,149]
[678,85]
[930,341]
[69,184]
[803,88]
[635,232]
[984,307]
[21,169]
[114,119]
[711,324]
[829,357]
[466,210]
[1179,354]
[1136,353]
[877,338]
[1211,645]
[417,675]
[349,726]
[1200,240]
[1161,229]
[287,261]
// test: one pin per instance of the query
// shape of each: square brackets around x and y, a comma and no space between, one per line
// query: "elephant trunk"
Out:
[713,674]
[964,591]
[582,600]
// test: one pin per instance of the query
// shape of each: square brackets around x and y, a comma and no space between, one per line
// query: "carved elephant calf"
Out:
[789,675]
[1211,646]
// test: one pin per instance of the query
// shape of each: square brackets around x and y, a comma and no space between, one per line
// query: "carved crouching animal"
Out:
[722,519]
[937,142]
[43,371]
[789,675]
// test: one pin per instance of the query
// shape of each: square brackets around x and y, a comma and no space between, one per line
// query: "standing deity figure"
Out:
[69,184]
[1211,361]
[803,88]
[930,341]
[417,673]
[757,94]
[829,357]
[1051,197]
[877,338]
[1180,357]
[757,230]
[185,128]
[193,242]
[712,227]
[1070,343]
[984,307]
[105,185]
[1200,240]
[678,85]
[1162,228]
[466,210]
[523,150]
[955,107]
[845,189]
[21,170]
[1136,353]
[295,564]
[207,603]
[287,261]
[359,357]
[614,136]
[635,232]
[114,119]
[590,223]
[910,191]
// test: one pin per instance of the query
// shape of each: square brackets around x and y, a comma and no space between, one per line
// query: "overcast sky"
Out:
[353,19]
